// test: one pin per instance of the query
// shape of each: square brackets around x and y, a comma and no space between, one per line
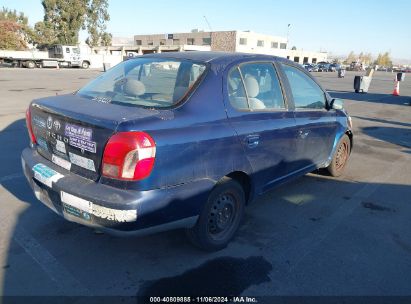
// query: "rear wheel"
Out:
[340,157]
[221,216]
[30,64]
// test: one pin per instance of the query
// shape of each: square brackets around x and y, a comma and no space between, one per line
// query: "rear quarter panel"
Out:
[194,141]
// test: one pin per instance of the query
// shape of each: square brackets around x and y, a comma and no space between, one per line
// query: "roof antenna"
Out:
[208,23]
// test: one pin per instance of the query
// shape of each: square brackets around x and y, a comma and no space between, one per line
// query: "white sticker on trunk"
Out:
[61,162]
[82,161]
[60,146]
[46,175]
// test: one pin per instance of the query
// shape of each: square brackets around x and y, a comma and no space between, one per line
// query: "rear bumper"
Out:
[116,211]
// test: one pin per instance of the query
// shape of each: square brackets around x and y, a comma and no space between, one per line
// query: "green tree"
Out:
[97,16]
[366,58]
[350,58]
[9,36]
[106,39]
[63,19]
[15,32]
[384,60]
[45,36]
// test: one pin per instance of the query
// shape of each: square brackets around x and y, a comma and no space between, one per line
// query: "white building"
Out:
[230,41]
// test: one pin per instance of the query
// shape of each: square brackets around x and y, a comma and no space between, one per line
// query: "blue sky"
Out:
[334,26]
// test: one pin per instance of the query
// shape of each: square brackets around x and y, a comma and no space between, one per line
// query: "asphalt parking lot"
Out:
[315,236]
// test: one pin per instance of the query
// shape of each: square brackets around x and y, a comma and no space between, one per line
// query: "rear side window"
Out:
[306,93]
[255,86]
[148,82]
[236,92]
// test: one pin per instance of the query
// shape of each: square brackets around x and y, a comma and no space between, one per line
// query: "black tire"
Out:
[85,65]
[340,157]
[220,217]
[30,65]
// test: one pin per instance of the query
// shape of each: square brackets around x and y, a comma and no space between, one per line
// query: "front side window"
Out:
[255,86]
[147,82]
[306,93]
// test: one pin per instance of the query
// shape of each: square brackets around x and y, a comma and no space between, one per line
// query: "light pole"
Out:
[288,34]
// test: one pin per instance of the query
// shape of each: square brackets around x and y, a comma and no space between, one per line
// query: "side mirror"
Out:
[337,104]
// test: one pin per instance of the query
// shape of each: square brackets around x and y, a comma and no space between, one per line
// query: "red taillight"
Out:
[29,127]
[129,156]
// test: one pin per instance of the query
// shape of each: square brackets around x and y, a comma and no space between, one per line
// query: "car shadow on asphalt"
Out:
[379,120]
[397,136]
[372,97]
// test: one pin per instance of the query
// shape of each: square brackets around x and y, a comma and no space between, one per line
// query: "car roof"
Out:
[212,57]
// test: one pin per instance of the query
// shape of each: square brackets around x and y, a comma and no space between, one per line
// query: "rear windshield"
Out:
[147,82]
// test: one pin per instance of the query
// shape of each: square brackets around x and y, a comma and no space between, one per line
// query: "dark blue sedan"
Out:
[181,140]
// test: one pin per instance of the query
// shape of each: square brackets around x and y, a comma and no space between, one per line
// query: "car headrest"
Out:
[251,85]
[134,87]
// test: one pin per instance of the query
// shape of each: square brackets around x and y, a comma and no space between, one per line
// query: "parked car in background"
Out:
[334,67]
[323,67]
[181,140]
[308,67]
[314,67]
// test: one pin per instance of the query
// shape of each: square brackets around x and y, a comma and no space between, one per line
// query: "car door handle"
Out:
[303,133]
[252,141]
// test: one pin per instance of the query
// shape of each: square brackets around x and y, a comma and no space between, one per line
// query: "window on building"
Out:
[150,43]
[283,46]
[306,93]
[274,45]
[190,41]
[260,42]
[139,42]
[305,60]
[162,42]
[206,41]
[288,57]
[297,59]
[176,41]
[243,41]
[314,60]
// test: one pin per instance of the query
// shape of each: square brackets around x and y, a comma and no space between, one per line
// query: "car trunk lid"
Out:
[72,131]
